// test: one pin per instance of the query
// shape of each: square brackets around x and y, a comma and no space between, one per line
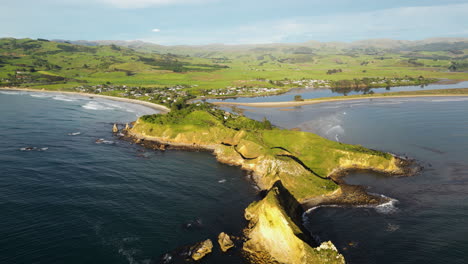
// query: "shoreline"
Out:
[327,100]
[160,108]
[347,195]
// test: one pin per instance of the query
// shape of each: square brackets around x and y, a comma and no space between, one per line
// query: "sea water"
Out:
[426,222]
[67,198]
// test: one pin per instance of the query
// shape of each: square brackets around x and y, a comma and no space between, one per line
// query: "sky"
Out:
[199,22]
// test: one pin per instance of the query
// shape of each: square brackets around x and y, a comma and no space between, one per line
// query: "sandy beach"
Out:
[154,106]
[326,100]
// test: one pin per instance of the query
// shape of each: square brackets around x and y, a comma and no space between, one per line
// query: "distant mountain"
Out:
[382,44]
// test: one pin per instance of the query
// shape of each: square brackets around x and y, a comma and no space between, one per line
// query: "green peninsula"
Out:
[296,170]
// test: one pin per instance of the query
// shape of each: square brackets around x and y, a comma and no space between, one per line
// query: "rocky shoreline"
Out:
[279,214]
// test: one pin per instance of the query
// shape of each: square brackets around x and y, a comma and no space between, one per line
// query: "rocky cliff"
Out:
[297,170]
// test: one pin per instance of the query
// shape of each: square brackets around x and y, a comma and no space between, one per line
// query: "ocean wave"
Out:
[40,95]
[74,133]
[11,92]
[33,149]
[64,98]
[388,207]
[103,141]
[384,208]
[96,106]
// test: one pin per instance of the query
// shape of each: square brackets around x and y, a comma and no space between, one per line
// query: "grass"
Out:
[255,141]
[205,70]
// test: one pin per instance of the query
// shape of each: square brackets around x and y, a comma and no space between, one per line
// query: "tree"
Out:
[298,98]
[267,124]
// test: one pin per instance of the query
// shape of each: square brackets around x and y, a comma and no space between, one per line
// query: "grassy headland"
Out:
[293,167]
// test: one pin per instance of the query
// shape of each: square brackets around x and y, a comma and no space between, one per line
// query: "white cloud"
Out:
[420,22]
[149,3]
[396,23]
[156,30]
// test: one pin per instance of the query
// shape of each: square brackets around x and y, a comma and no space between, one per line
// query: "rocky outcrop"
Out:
[201,249]
[275,233]
[115,129]
[225,242]
[297,170]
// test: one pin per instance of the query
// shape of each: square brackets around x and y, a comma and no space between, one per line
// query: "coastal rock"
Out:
[275,233]
[294,169]
[115,129]
[127,127]
[225,242]
[201,249]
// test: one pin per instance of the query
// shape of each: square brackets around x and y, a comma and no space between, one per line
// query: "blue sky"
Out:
[170,22]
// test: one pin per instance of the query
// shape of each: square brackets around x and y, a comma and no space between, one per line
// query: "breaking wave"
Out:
[64,98]
[97,106]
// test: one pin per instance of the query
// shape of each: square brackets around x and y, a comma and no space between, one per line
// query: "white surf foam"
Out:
[96,106]
[40,95]
[64,98]
[10,92]
[384,208]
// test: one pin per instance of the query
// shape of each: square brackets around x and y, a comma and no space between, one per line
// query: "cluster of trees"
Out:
[458,66]
[236,122]
[332,71]
[380,82]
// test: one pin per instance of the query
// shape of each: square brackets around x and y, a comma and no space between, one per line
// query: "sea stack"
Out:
[115,129]
[201,249]
[225,242]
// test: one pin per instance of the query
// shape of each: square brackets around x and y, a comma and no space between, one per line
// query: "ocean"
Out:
[427,220]
[67,198]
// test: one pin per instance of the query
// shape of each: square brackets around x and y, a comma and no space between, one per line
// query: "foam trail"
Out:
[40,95]
[63,98]
[96,106]
[10,92]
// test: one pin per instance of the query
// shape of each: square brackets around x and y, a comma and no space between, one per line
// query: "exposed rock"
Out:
[295,169]
[127,127]
[201,249]
[115,129]
[225,242]
[275,233]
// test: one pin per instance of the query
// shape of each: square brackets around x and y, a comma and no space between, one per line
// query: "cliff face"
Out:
[275,233]
[294,167]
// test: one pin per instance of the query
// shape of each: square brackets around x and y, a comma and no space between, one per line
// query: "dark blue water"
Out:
[319,93]
[428,222]
[70,200]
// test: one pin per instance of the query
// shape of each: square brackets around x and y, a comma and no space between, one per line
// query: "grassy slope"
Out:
[263,145]
[275,233]
[202,68]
